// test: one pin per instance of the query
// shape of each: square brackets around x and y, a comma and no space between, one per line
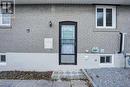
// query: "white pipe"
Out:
[123,42]
[123,48]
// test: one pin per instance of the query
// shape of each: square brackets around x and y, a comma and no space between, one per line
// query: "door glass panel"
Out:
[67,58]
[68,37]
[68,31]
[67,41]
[67,49]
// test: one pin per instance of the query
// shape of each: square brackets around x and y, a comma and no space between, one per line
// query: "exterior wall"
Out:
[37,17]
[21,47]
[123,22]
[49,61]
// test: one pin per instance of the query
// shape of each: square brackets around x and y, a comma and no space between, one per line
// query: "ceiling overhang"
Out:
[115,2]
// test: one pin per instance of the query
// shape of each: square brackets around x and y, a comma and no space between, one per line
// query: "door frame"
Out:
[60,26]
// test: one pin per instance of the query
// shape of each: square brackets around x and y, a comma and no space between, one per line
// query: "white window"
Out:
[105,59]
[105,16]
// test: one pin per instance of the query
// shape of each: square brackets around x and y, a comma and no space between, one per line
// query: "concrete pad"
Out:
[78,83]
[43,83]
[8,83]
[61,84]
[26,83]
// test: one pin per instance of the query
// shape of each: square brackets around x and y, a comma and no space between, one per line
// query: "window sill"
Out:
[5,26]
[3,64]
[106,30]
[106,64]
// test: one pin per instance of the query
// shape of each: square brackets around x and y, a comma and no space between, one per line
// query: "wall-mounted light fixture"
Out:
[50,24]
[28,30]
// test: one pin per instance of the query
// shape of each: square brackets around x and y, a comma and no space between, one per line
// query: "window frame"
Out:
[104,16]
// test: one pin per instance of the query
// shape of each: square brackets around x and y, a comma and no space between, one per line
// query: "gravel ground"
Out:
[25,75]
[110,77]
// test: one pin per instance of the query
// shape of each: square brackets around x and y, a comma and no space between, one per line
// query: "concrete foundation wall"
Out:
[48,62]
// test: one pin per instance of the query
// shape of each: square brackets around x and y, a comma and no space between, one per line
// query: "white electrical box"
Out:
[48,43]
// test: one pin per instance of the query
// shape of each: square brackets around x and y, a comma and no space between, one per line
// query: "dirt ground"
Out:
[25,75]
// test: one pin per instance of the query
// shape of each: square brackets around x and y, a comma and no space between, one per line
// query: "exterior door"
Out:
[68,43]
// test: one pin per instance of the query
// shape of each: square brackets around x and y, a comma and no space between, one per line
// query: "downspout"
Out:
[122,42]
[121,35]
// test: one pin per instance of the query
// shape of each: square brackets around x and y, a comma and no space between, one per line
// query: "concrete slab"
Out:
[9,83]
[43,83]
[78,83]
[26,83]
[61,84]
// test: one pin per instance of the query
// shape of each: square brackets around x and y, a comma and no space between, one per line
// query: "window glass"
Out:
[67,49]
[99,17]
[108,59]
[102,59]
[6,19]
[67,58]
[108,17]
[7,7]
[3,58]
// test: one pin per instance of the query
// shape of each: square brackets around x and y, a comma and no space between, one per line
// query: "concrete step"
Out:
[68,75]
